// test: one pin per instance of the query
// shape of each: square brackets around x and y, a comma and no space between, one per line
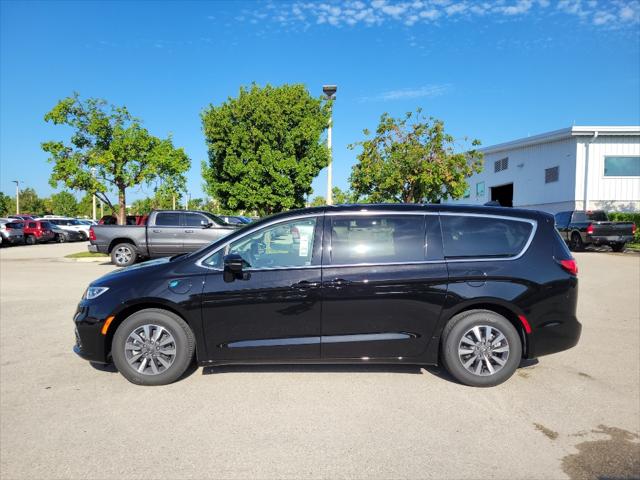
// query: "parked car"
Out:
[70,224]
[22,217]
[38,231]
[475,288]
[62,236]
[85,221]
[11,231]
[167,232]
[131,220]
[582,228]
[235,219]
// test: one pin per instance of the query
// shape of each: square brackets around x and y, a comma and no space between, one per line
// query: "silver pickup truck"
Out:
[167,233]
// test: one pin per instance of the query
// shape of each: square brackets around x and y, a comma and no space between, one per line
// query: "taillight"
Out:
[633,229]
[590,230]
[569,266]
[92,234]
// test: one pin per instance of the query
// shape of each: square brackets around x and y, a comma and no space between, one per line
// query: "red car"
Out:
[37,231]
[131,220]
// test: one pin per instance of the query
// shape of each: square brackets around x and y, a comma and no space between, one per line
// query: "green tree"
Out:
[7,205]
[318,201]
[142,206]
[30,202]
[412,159]
[264,148]
[109,150]
[64,203]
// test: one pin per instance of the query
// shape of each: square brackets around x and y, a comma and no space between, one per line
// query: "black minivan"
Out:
[474,288]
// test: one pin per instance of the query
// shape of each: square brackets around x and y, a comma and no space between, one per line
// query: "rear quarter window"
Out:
[477,237]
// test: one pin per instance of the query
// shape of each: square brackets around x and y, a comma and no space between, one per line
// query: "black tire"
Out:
[576,244]
[124,255]
[175,326]
[30,240]
[617,247]
[452,337]
[60,238]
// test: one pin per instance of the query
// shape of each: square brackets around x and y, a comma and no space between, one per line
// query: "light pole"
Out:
[93,197]
[17,182]
[330,93]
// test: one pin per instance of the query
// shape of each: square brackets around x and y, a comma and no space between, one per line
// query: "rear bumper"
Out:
[554,336]
[13,239]
[607,239]
[98,248]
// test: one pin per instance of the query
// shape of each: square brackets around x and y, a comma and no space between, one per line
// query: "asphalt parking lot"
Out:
[571,415]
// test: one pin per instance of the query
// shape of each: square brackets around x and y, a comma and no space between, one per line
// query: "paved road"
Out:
[572,415]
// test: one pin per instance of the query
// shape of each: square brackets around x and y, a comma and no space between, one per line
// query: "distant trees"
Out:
[64,203]
[264,148]
[412,159]
[7,206]
[109,150]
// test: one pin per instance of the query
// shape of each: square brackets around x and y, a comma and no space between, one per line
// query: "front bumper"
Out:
[90,343]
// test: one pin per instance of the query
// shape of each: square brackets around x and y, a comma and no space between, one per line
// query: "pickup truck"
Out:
[166,233]
[581,228]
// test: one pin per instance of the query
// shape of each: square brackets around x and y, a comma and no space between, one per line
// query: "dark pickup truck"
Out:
[166,233]
[580,228]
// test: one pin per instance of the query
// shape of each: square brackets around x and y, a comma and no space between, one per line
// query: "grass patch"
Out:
[85,255]
[633,246]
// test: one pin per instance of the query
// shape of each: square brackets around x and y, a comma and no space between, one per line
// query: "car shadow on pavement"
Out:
[111,368]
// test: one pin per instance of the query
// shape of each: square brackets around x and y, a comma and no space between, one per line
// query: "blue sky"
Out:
[494,70]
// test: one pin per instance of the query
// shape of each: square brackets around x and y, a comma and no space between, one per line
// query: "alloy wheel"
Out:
[123,255]
[483,350]
[150,349]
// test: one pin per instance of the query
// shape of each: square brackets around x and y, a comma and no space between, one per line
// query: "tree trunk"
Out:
[122,207]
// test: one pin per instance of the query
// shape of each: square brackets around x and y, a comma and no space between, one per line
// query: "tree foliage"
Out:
[412,159]
[30,202]
[264,148]
[64,203]
[109,150]
[7,205]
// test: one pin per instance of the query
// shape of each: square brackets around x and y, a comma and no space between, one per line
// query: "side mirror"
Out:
[206,224]
[233,264]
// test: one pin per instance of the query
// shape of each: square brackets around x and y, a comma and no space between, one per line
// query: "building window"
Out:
[501,164]
[551,174]
[480,189]
[622,166]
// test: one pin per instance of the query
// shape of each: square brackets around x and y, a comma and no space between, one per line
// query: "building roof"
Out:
[563,133]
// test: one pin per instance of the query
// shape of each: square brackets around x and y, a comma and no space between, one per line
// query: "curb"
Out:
[88,259]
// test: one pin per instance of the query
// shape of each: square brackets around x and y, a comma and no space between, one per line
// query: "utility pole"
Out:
[330,94]
[174,202]
[93,197]
[17,182]
[187,197]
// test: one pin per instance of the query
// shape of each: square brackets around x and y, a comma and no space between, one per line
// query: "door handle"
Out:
[305,285]
[188,231]
[157,231]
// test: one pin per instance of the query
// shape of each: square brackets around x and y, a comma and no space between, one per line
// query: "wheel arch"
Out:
[119,240]
[129,310]
[500,308]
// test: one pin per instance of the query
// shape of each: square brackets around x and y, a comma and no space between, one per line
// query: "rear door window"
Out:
[377,239]
[476,237]
[194,220]
[168,219]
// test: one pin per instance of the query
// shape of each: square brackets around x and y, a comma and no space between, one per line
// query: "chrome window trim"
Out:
[200,261]
[532,222]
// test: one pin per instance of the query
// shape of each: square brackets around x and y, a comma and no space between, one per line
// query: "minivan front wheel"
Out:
[152,347]
[481,348]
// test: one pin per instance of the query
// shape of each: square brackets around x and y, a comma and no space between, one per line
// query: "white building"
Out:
[562,170]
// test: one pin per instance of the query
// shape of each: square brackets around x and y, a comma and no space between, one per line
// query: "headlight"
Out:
[93,292]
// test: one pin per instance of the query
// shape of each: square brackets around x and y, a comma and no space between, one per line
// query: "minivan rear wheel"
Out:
[481,348]
[153,347]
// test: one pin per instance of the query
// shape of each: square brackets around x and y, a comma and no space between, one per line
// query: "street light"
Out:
[330,94]
[17,182]
[93,196]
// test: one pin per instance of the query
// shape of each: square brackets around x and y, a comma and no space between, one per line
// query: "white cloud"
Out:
[351,13]
[427,91]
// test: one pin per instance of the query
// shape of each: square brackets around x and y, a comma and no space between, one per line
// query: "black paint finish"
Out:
[323,312]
